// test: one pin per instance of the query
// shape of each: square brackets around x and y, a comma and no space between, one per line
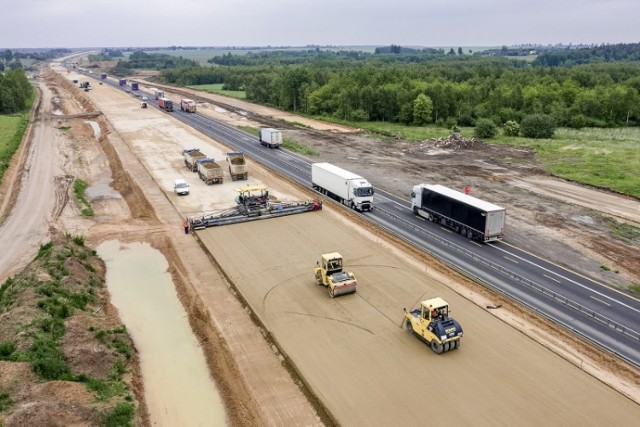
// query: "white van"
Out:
[180,187]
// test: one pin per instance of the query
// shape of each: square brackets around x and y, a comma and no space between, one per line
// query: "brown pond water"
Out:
[178,388]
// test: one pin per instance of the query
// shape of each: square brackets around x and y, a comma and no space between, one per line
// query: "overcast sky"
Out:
[121,23]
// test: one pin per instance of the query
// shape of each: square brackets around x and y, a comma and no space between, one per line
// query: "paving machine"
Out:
[253,203]
[432,324]
[329,273]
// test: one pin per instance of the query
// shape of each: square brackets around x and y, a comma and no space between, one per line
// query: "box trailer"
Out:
[271,138]
[467,215]
[123,82]
[134,86]
[348,188]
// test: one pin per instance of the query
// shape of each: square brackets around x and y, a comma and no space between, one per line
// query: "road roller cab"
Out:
[329,273]
[432,324]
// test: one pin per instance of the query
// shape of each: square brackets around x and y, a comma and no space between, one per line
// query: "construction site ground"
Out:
[281,351]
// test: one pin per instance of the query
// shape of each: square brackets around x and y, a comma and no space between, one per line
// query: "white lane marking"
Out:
[551,278]
[476,243]
[447,230]
[511,259]
[607,297]
[599,300]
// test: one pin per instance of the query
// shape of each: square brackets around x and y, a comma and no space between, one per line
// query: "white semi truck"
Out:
[467,215]
[348,188]
[271,138]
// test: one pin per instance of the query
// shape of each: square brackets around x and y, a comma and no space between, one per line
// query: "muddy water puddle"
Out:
[178,388]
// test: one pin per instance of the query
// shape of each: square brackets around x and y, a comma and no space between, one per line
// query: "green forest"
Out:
[587,87]
[15,91]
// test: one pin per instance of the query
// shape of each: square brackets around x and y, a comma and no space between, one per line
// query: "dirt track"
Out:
[349,349]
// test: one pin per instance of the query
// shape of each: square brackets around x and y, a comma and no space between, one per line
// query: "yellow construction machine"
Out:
[432,324]
[329,273]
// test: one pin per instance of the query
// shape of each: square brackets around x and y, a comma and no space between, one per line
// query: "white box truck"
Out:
[348,188]
[467,215]
[270,137]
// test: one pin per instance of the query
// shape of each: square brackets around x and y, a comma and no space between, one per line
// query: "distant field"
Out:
[607,158]
[12,128]
[217,88]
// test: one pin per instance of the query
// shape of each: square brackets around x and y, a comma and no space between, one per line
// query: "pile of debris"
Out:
[456,141]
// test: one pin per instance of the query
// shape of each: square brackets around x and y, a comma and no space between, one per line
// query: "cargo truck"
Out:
[271,138]
[209,171]
[191,155]
[238,168]
[134,86]
[188,105]
[348,188]
[157,94]
[123,82]
[467,215]
[165,104]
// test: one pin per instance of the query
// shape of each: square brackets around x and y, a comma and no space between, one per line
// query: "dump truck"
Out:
[432,324]
[122,82]
[465,214]
[191,155]
[271,138]
[346,187]
[165,104]
[329,273]
[253,203]
[188,105]
[209,171]
[238,168]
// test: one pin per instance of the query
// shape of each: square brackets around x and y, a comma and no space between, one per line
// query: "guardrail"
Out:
[517,277]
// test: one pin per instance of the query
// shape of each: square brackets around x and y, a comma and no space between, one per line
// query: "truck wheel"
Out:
[436,347]
[463,231]
[470,234]
[407,325]
[331,294]
[319,279]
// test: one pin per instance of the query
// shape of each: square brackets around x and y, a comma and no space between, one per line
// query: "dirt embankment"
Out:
[143,225]
[65,359]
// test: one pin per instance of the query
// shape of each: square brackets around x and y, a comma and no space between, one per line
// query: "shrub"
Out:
[485,129]
[511,128]
[537,126]
[120,416]
[6,350]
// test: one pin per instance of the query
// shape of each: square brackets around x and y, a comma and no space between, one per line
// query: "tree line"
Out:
[15,91]
[458,89]
[153,61]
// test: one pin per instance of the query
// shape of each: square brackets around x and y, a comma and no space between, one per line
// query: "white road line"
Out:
[511,259]
[476,243]
[551,278]
[607,297]
[599,300]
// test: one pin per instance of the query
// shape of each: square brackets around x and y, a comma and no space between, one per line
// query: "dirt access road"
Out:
[352,349]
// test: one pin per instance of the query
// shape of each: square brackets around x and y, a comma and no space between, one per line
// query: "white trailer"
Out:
[348,188]
[270,137]
[467,215]
[188,105]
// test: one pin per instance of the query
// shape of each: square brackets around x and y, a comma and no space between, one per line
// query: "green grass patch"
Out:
[120,416]
[623,230]
[12,129]
[250,130]
[7,349]
[296,147]
[79,188]
[5,401]
[217,89]
[605,158]
[634,288]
